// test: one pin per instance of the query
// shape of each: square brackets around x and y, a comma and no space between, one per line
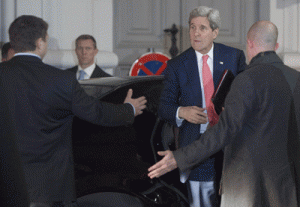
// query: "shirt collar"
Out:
[89,70]
[27,53]
[210,53]
[260,55]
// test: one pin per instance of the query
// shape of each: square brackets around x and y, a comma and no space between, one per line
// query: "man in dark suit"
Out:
[258,129]
[42,101]
[13,187]
[183,100]
[86,50]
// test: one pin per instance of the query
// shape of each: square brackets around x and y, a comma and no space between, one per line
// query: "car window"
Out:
[150,89]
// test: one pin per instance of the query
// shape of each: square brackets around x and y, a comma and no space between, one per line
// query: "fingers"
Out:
[162,153]
[156,166]
[167,164]
[129,93]
[193,114]
[155,174]
[197,119]
[138,112]
[198,109]
[140,105]
[128,96]
[142,100]
[159,164]
[157,170]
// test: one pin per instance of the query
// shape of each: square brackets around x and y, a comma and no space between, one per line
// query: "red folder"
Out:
[218,98]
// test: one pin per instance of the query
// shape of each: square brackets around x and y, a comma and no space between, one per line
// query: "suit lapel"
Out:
[191,67]
[95,73]
[194,77]
[219,60]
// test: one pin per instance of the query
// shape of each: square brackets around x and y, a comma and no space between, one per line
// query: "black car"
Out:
[111,162]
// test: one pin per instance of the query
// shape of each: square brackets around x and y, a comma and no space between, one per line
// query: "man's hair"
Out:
[212,15]
[4,50]
[86,37]
[25,31]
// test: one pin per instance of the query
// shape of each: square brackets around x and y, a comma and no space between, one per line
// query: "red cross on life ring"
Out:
[149,64]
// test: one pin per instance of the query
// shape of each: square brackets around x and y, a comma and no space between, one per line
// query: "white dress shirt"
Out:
[88,71]
[184,175]
[210,63]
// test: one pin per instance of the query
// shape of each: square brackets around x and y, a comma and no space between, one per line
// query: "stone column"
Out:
[285,15]
[8,16]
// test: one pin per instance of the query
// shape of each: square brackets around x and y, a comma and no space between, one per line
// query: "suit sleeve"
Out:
[238,103]
[92,110]
[169,100]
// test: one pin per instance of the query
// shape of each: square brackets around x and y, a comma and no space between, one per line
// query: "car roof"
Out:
[119,81]
[102,87]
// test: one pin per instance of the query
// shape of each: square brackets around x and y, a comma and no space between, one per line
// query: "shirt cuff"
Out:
[132,107]
[178,120]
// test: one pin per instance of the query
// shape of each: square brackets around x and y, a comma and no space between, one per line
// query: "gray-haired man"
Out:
[186,96]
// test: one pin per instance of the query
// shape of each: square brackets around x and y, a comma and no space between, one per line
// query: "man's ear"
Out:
[250,43]
[215,33]
[96,51]
[276,46]
[38,43]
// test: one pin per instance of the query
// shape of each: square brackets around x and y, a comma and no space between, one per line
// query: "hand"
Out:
[193,114]
[139,103]
[167,164]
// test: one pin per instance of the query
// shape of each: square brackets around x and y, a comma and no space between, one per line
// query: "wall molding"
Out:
[236,18]
[138,24]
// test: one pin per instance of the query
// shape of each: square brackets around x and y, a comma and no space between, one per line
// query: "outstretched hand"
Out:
[139,103]
[167,164]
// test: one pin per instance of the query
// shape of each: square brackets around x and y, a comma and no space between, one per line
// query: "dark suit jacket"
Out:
[182,88]
[42,103]
[13,188]
[97,73]
[253,128]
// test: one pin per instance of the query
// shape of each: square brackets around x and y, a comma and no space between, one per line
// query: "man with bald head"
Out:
[258,130]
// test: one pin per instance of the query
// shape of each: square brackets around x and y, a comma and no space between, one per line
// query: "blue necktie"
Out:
[81,75]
